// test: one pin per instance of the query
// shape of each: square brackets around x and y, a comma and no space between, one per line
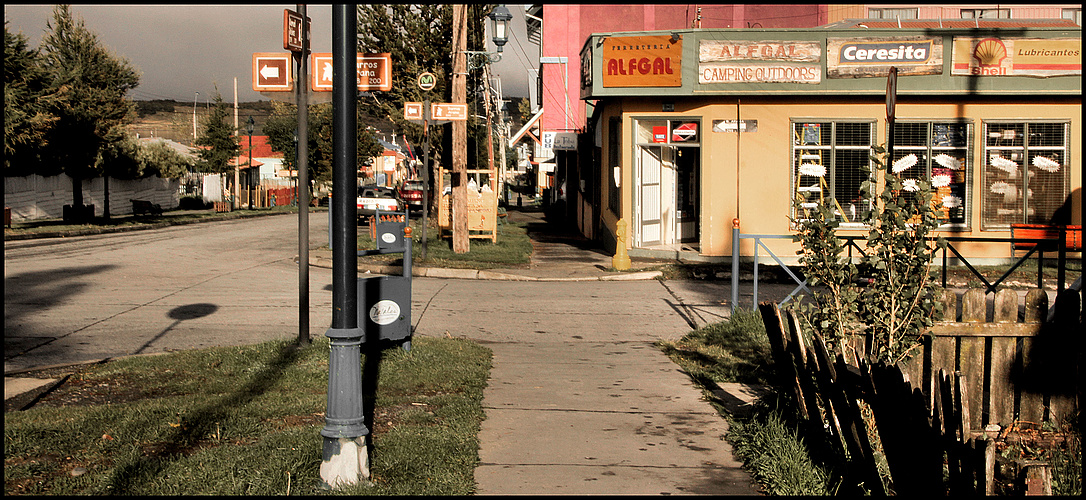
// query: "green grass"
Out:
[246,421]
[736,350]
[129,222]
[512,249]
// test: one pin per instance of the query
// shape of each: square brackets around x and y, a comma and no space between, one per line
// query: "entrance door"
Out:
[649,218]
[687,187]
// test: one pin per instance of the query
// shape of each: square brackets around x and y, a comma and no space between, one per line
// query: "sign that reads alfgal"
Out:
[643,61]
[870,57]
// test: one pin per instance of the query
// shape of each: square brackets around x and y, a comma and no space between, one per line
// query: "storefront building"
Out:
[692,129]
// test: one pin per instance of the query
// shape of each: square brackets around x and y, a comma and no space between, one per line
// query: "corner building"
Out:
[690,129]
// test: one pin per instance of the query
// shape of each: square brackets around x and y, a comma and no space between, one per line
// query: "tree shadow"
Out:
[28,295]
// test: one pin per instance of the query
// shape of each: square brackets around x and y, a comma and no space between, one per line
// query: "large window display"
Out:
[943,158]
[831,160]
[1025,178]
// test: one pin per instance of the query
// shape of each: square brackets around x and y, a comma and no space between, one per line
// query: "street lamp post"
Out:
[249,187]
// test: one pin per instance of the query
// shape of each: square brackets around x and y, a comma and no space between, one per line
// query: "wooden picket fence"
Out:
[929,415]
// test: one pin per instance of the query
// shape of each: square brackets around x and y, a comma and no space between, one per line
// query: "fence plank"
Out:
[1031,407]
[1036,309]
[1000,387]
[974,306]
[778,341]
[798,348]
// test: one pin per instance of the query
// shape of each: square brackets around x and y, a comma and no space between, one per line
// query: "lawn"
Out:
[246,421]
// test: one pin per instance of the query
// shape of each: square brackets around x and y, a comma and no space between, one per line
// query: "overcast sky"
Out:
[183,49]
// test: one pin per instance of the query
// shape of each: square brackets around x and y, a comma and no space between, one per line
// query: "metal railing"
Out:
[850,243]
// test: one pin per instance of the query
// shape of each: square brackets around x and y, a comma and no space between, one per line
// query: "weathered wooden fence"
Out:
[977,371]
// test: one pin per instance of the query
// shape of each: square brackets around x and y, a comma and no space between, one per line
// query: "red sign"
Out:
[292,31]
[271,72]
[685,132]
[374,71]
[659,133]
[643,61]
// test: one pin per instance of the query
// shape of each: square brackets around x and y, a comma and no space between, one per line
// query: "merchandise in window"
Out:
[943,158]
[831,161]
[1025,179]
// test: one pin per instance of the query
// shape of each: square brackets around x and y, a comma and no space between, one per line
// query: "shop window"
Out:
[986,13]
[943,158]
[831,160]
[892,13]
[1025,177]
[614,166]
[674,132]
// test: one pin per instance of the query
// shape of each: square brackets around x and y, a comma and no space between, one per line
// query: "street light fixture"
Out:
[499,18]
[499,21]
[249,125]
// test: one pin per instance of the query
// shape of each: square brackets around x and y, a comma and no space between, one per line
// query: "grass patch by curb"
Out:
[246,421]
[513,249]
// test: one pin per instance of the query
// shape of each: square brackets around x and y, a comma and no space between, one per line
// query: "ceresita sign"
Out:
[642,61]
[869,57]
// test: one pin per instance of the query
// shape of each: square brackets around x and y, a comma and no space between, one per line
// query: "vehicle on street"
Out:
[411,194]
[373,198]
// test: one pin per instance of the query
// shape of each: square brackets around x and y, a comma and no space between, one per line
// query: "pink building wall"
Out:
[566,27]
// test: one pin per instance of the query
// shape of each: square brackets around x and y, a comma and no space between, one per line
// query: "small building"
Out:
[689,130]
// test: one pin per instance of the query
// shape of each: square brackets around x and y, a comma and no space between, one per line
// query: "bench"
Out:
[1046,231]
[145,207]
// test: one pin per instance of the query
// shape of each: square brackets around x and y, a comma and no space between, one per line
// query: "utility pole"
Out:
[237,164]
[459,205]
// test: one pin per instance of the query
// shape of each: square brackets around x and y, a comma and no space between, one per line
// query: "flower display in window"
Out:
[941,180]
[911,185]
[904,163]
[1045,164]
[1000,187]
[951,201]
[1004,164]
[812,170]
[948,161]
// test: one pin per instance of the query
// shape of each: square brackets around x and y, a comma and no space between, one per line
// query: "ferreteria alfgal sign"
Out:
[765,61]
[1042,57]
[871,57]
[643,61]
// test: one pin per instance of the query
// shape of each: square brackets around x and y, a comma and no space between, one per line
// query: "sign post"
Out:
[891,103]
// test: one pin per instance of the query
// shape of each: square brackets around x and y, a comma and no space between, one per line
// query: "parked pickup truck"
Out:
[372,198]
[411,193]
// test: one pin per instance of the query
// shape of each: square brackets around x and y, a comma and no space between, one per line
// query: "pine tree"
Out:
[218,141]
[89,86]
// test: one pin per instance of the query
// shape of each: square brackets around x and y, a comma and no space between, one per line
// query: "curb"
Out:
[470,274]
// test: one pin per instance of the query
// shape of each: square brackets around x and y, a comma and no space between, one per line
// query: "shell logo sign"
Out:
[1040,57]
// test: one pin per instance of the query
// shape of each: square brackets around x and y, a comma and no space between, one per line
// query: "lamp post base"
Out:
[344,462]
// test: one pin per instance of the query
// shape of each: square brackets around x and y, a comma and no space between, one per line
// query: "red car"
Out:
[411,194]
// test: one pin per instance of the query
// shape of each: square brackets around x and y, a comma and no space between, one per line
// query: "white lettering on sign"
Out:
[892,52]
[385,312]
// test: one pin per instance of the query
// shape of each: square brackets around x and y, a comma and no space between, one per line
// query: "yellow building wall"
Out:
[760,197]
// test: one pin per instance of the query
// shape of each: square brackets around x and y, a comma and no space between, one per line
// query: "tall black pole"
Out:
[344,454]
[302,164]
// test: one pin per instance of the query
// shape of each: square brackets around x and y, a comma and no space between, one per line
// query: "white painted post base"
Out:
[350,463]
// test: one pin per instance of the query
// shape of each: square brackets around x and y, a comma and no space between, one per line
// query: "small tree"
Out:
[898,305]
[26,105]
[159,159]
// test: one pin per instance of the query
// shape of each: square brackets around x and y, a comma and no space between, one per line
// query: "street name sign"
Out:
[449,111]
[271,72]
[374,71]
[292,30]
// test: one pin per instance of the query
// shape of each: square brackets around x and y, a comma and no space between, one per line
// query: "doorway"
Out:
[668,196]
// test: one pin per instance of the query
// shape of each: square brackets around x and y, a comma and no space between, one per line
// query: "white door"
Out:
[648,190]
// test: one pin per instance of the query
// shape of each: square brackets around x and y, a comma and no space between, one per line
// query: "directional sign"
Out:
[292,31]
[412,110]
[374,71]
[271,72]
[449,111]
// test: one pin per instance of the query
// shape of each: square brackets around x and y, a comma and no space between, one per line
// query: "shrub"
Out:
[193,203]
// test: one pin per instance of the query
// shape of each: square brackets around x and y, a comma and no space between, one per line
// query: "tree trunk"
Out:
[105,196]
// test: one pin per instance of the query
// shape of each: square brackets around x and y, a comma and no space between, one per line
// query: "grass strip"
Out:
[246,421]
[512,249]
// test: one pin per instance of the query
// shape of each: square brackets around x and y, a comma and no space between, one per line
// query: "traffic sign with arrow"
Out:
[272,72]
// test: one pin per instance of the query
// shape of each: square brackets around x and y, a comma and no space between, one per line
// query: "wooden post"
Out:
[459,205]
